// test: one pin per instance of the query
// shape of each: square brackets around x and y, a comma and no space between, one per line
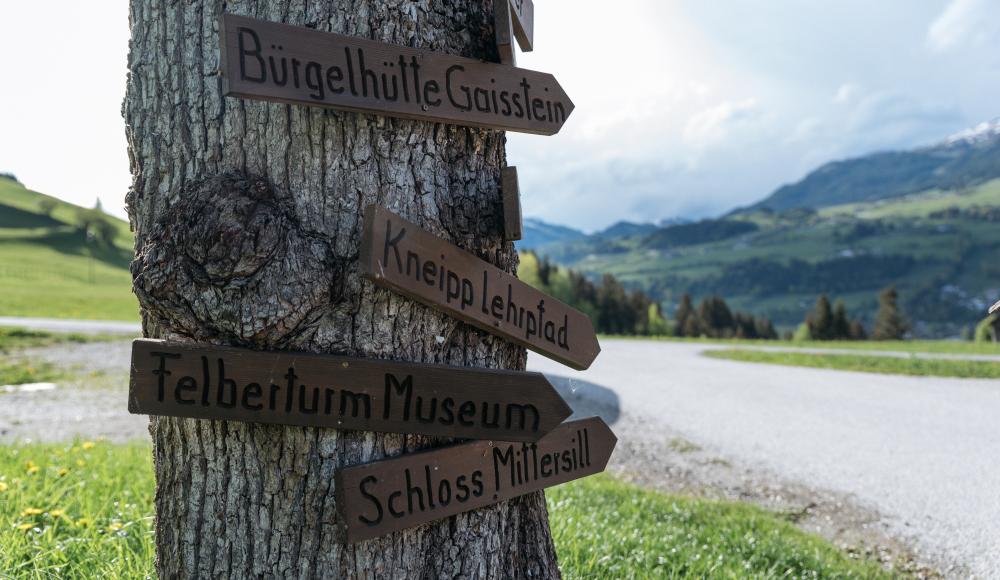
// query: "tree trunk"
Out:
[248,218]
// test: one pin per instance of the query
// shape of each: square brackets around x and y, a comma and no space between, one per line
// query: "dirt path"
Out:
[92,403]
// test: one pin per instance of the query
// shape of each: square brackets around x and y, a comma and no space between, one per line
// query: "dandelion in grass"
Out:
[83,522]
[25,527]
[87,445]
[3,487]
[56,514]
[31,512]
[80,463]
[31,468]
[115,527]
[63,472]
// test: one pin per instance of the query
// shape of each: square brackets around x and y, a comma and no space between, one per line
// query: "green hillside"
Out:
[964,160]
[939,248]
[49,269]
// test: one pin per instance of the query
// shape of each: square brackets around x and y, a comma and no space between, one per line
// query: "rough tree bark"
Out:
[247,218]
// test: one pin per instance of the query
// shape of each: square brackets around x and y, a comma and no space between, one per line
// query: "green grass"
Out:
[20,372]
[48,269]
[85,510]
[15,370]
[908,346]
[607,529]
[76,511]
[14,338]
[920,204]
[867,363]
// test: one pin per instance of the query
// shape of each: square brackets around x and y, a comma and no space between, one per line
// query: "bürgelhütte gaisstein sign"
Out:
[292,64]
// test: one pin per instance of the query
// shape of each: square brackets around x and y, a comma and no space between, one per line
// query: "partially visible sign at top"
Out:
[291,64]
[399,255]
[524,23]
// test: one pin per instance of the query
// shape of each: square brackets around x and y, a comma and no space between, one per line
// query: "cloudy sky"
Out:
[683,107]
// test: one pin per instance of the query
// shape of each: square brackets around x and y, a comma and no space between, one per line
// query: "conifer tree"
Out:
[841,323]
[821,320]
[858,331]
[684,312]
[890,324]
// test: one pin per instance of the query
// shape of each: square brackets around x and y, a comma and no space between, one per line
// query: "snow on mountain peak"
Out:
[982,132]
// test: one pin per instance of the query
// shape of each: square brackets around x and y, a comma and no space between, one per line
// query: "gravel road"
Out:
[81,326]
[922,452]
[92,402]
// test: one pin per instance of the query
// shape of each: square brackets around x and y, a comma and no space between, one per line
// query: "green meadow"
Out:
[914,366]
[85,510]
[48,268]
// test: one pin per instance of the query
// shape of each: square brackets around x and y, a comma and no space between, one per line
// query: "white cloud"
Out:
[682,107]
[972,22]
[714,124]
[846,93]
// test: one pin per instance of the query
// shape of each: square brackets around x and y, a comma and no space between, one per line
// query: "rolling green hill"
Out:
[939,248]
[48,268]
[964,160]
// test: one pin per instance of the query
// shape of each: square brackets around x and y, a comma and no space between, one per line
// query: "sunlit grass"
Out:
[20,372]
[869,364]
[15,369]
[80,510]
[910,346]
[85,510]
[12,338]
[607,529]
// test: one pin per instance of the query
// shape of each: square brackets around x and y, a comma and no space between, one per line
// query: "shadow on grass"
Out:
[73,242]
[12,217]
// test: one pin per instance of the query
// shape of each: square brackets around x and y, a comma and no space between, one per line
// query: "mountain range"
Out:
[925,220]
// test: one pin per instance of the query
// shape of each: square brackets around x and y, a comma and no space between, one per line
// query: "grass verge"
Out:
[81,510]
[20,372]
[604,528]
[909,346]
[15,338]
[85,510]
[867,363]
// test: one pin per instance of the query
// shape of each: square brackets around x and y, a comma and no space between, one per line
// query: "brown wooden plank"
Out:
[524,23]
[512,223]
[394,494]
[399,255]
[287,388]
[357,74]
[502,23]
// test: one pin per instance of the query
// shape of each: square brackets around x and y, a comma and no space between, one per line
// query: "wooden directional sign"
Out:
[291,64]
[210,382]
[397,254]
[524,23]
[386,496]
[512,225]
[504,26]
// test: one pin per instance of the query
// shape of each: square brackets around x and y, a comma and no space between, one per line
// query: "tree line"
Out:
[613,308]
[824,322]
[616,309]
[714,319]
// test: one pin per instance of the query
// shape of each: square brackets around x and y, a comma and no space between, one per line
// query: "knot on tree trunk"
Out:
[229,261]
